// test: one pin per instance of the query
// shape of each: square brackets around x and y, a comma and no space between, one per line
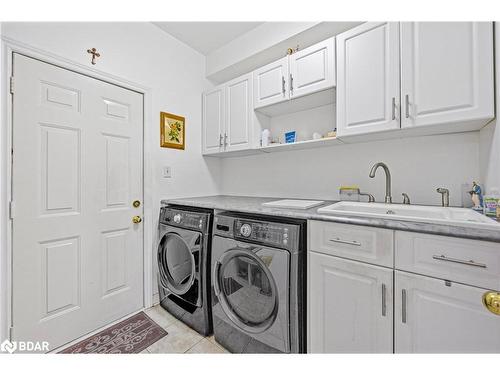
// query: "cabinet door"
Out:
[368,90]
[213,121]
[432,317]
[312,69]
[239,113]
[350,306]
[271,83]
[446,73]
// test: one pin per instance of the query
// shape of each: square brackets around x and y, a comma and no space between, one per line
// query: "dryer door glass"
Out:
[246,290]
[176,261]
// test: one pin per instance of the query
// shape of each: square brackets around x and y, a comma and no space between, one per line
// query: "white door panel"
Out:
[313,69]
[271,83]
[433,317]
[239,113]
[77,167]
[350,306]
[446,72]
[368,91]
[213,120]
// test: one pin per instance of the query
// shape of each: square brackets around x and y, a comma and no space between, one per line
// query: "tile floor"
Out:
[180,338]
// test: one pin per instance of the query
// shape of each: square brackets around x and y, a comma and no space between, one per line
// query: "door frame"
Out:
[8,48]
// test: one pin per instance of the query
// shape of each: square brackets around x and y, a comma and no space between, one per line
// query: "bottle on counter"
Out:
[491,202]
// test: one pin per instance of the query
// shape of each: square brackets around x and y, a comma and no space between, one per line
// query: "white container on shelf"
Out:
[266,137]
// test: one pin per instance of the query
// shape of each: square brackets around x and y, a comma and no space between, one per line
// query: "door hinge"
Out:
[11,210]
[11,333]
[12,85]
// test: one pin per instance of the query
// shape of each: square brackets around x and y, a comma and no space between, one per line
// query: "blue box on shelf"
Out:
[290,137]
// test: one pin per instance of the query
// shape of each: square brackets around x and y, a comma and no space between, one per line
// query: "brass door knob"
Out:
[492,302]
[136,219]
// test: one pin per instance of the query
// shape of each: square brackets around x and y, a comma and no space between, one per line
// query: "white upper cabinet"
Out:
[271,83]
[312,69]
[228,117]
[213,120]
[446,73]
[435,316]
[368,92]
[239,113]
[350,306]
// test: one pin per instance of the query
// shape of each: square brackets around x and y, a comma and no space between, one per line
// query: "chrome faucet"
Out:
[445,196]
[406,198]
[388,197]
[371,198]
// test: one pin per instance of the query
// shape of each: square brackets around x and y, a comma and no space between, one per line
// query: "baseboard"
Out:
[156,299]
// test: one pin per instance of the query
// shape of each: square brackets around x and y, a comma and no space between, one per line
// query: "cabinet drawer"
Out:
[465,261]
[367,244]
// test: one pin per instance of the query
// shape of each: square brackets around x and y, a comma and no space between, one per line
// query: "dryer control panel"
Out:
[185,219]
[270,233]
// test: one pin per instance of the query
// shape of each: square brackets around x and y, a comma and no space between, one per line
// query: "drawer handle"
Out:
[338,240]
[459,261]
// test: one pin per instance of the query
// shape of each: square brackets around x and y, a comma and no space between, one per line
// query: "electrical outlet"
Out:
[167,172]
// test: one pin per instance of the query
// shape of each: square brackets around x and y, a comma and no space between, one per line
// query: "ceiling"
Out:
[206,37]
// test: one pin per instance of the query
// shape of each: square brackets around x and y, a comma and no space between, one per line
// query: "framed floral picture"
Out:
[172,131]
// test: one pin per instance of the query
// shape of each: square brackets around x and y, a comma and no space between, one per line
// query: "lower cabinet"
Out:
[436,316]
[350,306]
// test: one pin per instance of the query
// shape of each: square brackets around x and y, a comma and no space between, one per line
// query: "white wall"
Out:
[418,166]
[143,54]
[490,135]
[266,43]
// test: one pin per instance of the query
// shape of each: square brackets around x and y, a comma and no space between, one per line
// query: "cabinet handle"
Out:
[220,140]
[384,297]
[338,240]
[394,108]
[291,83]
[283,90]
[407,105]
[403,305]
[225,139]
[459,261]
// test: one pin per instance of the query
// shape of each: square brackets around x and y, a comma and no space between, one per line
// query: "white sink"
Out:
[427,214]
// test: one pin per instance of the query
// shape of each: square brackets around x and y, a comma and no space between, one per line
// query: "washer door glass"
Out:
[176,262]
[246,290]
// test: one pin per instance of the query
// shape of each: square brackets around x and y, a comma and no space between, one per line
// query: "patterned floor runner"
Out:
[131,335]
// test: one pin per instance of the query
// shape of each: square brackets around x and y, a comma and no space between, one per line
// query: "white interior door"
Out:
[350,306]
[239,113]
[433,316]
[312,69]
[446,73]
[368,89]
[271,83]
[77,168]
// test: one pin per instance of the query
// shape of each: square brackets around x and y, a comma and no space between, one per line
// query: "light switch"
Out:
[167,172]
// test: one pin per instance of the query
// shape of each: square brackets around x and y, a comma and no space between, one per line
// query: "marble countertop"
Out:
[254,205]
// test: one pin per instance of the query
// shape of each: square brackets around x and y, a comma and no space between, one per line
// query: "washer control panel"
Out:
[185,219]
[267,233]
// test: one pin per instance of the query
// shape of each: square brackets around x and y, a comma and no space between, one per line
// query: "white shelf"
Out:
[317,99]
[301,145]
